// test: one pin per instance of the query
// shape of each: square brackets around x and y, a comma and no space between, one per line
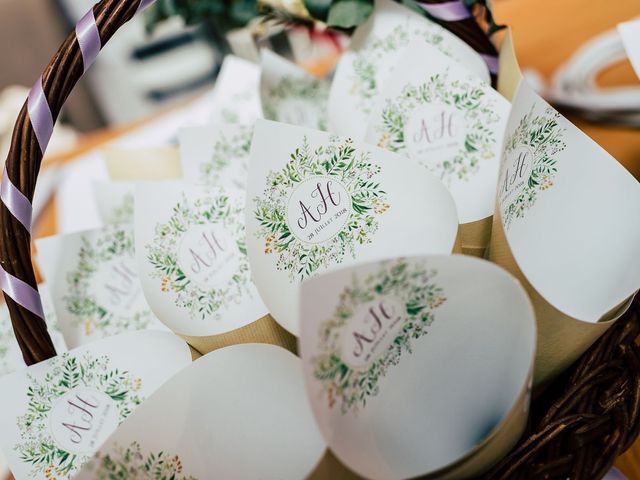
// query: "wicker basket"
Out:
[579,424]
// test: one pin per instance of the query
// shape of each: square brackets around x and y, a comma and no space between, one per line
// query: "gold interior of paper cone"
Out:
[330,468]
[509,73]
[457,243]
[263,330]
[195,354]
[475,237]
[617,311]
[161,163]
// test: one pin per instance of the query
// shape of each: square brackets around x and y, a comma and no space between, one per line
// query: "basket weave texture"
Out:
[579,424]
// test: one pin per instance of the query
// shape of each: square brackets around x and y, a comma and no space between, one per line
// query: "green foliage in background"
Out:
[229,14]
[225,14]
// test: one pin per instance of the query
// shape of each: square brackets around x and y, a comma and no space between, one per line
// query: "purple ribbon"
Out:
[40,115]
[21,292]
[88,39]
[492,62]
[614,474]
[453,11]
[143,4]
[15,201]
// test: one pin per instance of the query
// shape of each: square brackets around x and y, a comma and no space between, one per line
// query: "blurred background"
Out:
[158,61]
[143,70]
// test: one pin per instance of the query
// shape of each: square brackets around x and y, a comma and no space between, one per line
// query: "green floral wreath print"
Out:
[7,338]
[124,212]
[228,113]
[467,97]
[543,135]
[338,160]
[162,254]
[229,146]
[413,285]
[115,242]
[66,372]
[365,63]
[309,90]
[131,464]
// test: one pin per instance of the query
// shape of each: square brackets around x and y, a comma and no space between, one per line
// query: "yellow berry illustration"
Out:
[137,384]
[49,473]
[177,464]
[332,398]
[384,140]
[88,327]
[381,207]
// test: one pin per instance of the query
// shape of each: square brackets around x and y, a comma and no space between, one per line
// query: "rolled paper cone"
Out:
[370,194]
[241,412]
[630,34]
[560,196]
[509,73]
[377,46]
[264,330]
[291,95]
[94,284]
[435,131]
[459,373]
[105,381]
[208,299]
[114,201]
[553,353]
[216,155]
[475,237]
[162,163]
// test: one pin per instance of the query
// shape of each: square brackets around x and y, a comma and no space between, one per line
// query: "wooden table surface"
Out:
[546,33]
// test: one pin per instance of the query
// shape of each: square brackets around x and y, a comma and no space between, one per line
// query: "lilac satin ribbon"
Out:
[614,474]
[21,292]
[42,121]
[453,11]
[19,205]
[492,62]
[143,4]
[15,201]
[88,39]
[40,115]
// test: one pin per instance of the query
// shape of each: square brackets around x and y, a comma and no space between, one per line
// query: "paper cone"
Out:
[419,366]
[190,253]
[563,204]
[159,163]
[240,412]
[316,202]
[57,413]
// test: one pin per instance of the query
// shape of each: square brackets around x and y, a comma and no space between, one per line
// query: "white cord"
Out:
[574,83]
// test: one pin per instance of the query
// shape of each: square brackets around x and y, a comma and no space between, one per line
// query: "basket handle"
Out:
[29,141]
[34,127]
